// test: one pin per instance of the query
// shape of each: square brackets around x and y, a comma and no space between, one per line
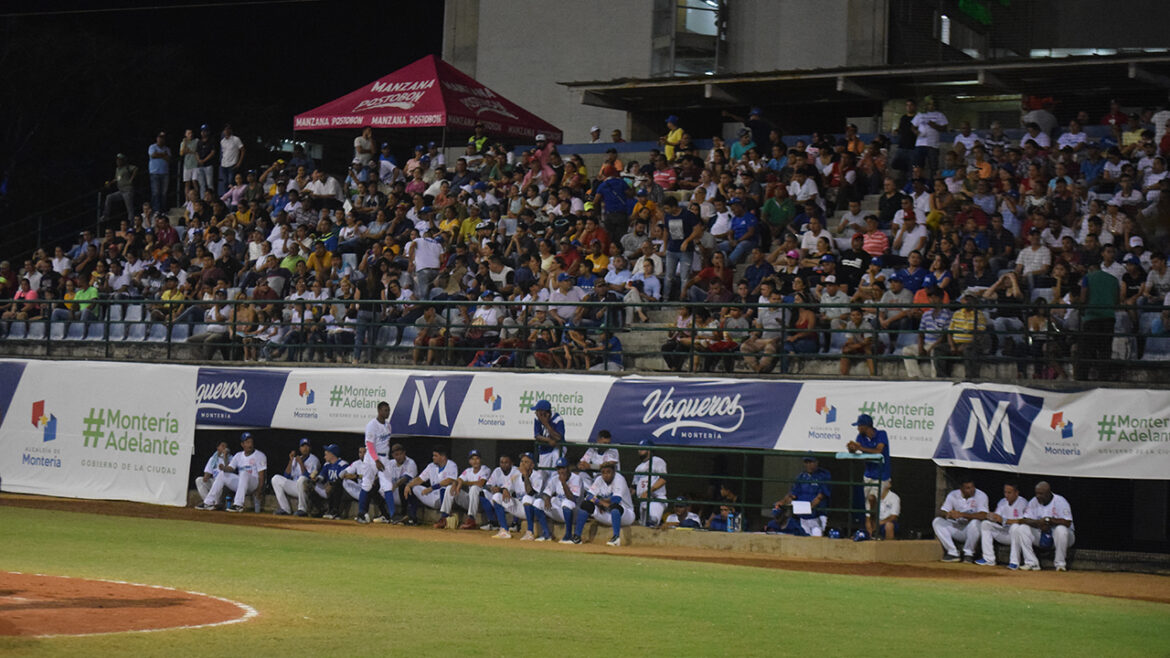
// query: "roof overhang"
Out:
[1119,75]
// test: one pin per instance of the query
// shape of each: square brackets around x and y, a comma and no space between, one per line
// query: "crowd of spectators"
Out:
[982,232]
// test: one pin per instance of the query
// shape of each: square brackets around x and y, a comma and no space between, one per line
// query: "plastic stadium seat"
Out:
[76,331]
[1046,293]
[36,331]
[197,330]
[385,336]
[409,334]
[906,340]
[117,331]
[136,331]
[837,342]
[116,312]
[180,331]
[1146,322]
[1157,349]
[157,334]
[57,330]
[17,330]
[96,331]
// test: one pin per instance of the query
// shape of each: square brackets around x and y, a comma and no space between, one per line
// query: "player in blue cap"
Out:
[296,480]
[332,486]
[562,491]
[872,441]
[549,432]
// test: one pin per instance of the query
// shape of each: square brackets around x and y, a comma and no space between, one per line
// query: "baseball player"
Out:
[467,490]
[1048,518]
[378,459]
[998,526]
[332,485]
[812,487]
[302,469]
[507,489]
[222,455]
[549,431]
[594,457]
[244,474]
[609,502]
[562,490]
[876,479]
[890,511]
[650,486]
[682,516]
[534,504]
[402,470]
[430,486]
[358,472]
[960,518]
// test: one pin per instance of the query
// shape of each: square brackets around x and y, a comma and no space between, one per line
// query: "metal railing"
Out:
[387,332]
[744,499]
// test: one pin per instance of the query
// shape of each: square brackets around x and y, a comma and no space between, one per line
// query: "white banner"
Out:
[911,413]
[100,430]
[498,404]
[335,399]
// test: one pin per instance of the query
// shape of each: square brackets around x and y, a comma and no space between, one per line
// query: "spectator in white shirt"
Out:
[1074,138]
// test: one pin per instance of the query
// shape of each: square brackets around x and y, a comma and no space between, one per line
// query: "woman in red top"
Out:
[718,269]
[18,311]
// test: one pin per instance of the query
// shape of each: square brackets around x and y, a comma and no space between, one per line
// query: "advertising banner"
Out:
[237,397]
[675,411]
[498,405]
[107,430]
[335,399]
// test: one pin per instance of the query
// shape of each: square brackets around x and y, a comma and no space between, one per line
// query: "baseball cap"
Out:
[305,441]
[333,449]
[754,110]
[595,129]
[744,131]
[877,261]
[562,463]
[430,144]
[540,137]
[864,420]
[545,405]
[809,457]
[204,127]
[680,502]
[645,442]
[642,192]
[735,200]
[385,145]
[425,158]
[1136,241]
[672,118]
[483,225]
[487,293]
[897,276]
[479,186]
[793,254]
[829,279]
[1130,258]
[121,156]
[473,453]
[564,277]
[245,436]
[528,455]
[419,148]
[426,209]
[828,258]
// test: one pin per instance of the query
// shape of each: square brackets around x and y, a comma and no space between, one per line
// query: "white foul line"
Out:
[249,611]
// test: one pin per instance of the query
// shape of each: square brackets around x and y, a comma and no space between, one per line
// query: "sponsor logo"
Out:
[989,426]
[400,95]
[236,397]
[307,394]
[491,399]
[827,410]
[717,414]
[430,405]
[41,421]
[356,397]
[1124,428]
[122,431]
[569,405]
[900,416]
[481,105]
[227,396]
[1061,442]
[1065,427]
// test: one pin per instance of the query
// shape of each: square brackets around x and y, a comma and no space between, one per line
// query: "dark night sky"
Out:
[78,88]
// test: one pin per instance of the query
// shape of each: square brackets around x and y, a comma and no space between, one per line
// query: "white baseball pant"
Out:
[242,484]
[431,499]
[351,487]
[602,515]
[284,487]
[949,530]
[557,510]
[1025,538]
[203,486]
[467,499]
[549,459]
[995,533]
[656,510]
[815,527]
[369,472]
[513,506]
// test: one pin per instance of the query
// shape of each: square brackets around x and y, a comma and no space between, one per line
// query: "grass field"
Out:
[343,592]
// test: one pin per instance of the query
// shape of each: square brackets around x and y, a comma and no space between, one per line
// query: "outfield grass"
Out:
[347,594]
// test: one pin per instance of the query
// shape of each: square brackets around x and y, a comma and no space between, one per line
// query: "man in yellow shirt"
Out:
[673,136]
[966,337]
[467,228]
[321,261]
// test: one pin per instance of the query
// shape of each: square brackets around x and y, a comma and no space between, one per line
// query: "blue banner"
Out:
[10,373]
[989,426]
[429,405]
[706,413]
[237,397]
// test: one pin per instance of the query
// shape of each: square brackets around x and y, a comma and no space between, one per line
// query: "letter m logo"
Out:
[429,405]
[989,427]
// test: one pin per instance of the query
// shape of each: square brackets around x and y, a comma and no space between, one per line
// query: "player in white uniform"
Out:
[244,475]
[888,513]
[222,455]
[650,486]
[507,488]
[1009,512]
[378,458]
[682,516]
[355,472]
[562,491]
[609,502]
[961,516]
[1047,515]
[402,470]
[296,480]
[430,486]
[535,510]
[594,457]
[467,491]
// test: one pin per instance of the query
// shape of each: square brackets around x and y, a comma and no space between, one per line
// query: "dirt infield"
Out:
[33,605]
[1141,587]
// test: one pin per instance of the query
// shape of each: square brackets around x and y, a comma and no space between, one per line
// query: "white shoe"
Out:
[502,534]
[382,519]
[1061,568]
[1029,567]
[528,536]
[616,541]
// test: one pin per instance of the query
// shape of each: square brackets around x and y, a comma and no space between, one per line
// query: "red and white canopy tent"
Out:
[426,94]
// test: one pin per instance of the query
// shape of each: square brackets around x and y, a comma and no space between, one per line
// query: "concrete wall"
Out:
[524,48]
[765,35]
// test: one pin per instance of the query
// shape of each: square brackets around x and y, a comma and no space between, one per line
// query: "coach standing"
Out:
[549,432]
[872,441]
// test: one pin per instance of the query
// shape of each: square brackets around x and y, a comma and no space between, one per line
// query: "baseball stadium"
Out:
[662,327]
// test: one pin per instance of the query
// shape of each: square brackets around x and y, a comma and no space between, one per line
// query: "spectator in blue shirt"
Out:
[159,168]
[757,270]
[872,441]
[744,232]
